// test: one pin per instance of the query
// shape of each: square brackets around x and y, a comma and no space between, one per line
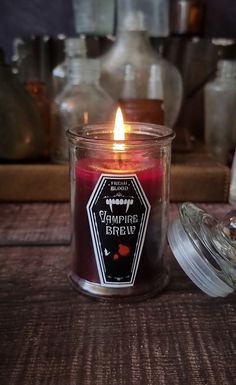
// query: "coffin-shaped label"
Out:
[118,212]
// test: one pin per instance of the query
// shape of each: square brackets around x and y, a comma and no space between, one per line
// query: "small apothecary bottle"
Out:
[75,48]
[220,112]
[82,101]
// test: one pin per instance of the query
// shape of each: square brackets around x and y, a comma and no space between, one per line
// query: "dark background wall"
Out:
[24,17]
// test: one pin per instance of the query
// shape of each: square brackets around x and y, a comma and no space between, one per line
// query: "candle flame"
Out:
[85,117]
[119,132]
[119,127]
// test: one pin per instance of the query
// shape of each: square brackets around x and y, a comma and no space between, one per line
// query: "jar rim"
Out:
[137,134]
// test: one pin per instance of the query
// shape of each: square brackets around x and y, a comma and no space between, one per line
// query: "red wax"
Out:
[150,176]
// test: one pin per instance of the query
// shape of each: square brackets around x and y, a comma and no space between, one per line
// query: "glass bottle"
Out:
[82,101]
[75,47]
[135,104]
[21,131]
[156,14]
[220,111]
[133,46]
[129,90]
[32,59]
[38,91]
[187,17]
[32,66]
[155,92]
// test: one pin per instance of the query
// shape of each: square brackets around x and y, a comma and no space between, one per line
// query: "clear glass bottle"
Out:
[220,111]
[133,46]
[75,47]
[155,92]
[156,14]
[129,89]
[135,104]
[82,101]
[205,248]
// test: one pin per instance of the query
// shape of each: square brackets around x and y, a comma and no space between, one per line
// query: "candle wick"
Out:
[120,160]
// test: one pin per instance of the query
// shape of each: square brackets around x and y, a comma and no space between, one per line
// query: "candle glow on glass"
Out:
[119,131]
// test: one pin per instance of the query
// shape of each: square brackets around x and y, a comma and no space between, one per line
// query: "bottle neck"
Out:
[137,40]
[129,90]
[155,85]
[75,47]
[83,71]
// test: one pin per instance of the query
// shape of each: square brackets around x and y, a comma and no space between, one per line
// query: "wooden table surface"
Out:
[51,335]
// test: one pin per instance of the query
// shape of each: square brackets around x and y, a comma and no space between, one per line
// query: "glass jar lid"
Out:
[205,248]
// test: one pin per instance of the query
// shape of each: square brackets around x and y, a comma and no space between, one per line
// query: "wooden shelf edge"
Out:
[49,182]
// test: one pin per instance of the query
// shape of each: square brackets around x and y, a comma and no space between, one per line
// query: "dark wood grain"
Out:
[49,223]
[39,223]
[51,335]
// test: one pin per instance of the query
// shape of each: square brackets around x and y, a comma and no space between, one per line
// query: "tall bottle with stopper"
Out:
[133,46]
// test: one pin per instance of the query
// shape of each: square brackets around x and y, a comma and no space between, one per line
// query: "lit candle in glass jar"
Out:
[119,197]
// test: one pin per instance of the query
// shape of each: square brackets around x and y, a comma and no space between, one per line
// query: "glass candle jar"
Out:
[119,201]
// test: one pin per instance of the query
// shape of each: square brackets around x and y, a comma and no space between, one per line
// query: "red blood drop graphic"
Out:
[123,250]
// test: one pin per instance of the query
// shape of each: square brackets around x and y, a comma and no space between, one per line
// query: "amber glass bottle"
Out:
[37,89]
[137,105]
